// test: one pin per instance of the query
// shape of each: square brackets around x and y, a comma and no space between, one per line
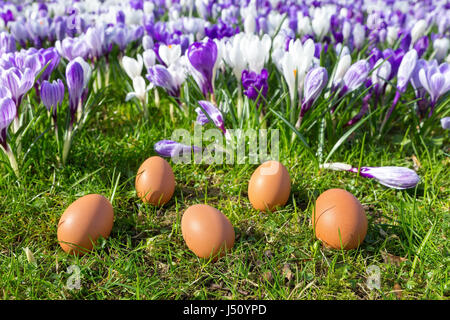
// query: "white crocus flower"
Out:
[234,57]
[344,63]
[321,22]
[256,51]
[392,34]
[140,89]
[133,67]
[303,24]
[149,58]
[359,35]
[169,54]
[441,46]
[382,70]
[295,63]
[418,30]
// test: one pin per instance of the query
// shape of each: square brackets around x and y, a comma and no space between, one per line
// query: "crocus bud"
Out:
[405,69]
[75,83]
[441,46]
[213,112]
[147,42]
[7,114]
[315,80]
[132,67]
[418,30]
[341,69]
[356,75]
[202,56]
[359,35]
[149,58]
[52,94]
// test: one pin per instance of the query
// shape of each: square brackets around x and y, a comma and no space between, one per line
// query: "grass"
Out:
[275,256]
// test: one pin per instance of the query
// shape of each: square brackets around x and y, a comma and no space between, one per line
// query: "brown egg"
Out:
[155,181]
[83,222]
[339,219]
[207,231]
[269,186]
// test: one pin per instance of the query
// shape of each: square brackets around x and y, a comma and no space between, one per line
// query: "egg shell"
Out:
[83,222]
[155,181]
[207,231]
[269,186]
[339,219]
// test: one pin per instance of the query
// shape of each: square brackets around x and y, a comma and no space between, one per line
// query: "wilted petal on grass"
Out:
[390,176]
[393,177]
[170,148]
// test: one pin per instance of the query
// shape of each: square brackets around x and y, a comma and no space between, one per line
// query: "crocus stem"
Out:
[156,97]
[433,104]
[67,144]
[171,112]
[12,159]
[391,109]
[240,102]
[145,109]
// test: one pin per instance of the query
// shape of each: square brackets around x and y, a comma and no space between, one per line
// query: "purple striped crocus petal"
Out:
[392,177]
[356,75]
[75,83]
[170,148]
[445,123]
[52,94]
[212,111]
[7,112]
[160,76]
[405,69]
[315,80]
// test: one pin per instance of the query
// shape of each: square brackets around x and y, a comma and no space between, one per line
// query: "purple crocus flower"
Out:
[70,48]
[161,77]
[52,94]
[435,80]
[52,58]
[355,76]
[390,176]
[405,71]
[213,112]
[75,85]
[169,148]
[7,43]
[7,114]
[255,84]
[203,56]
[18,83]
[315,80]
[421,45]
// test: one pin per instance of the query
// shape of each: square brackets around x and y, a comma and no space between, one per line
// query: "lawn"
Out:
[276,255]
[90,90]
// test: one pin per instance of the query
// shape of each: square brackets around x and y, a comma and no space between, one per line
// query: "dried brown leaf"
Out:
[392,259]
[398,290]
[287,272]
[268,276]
